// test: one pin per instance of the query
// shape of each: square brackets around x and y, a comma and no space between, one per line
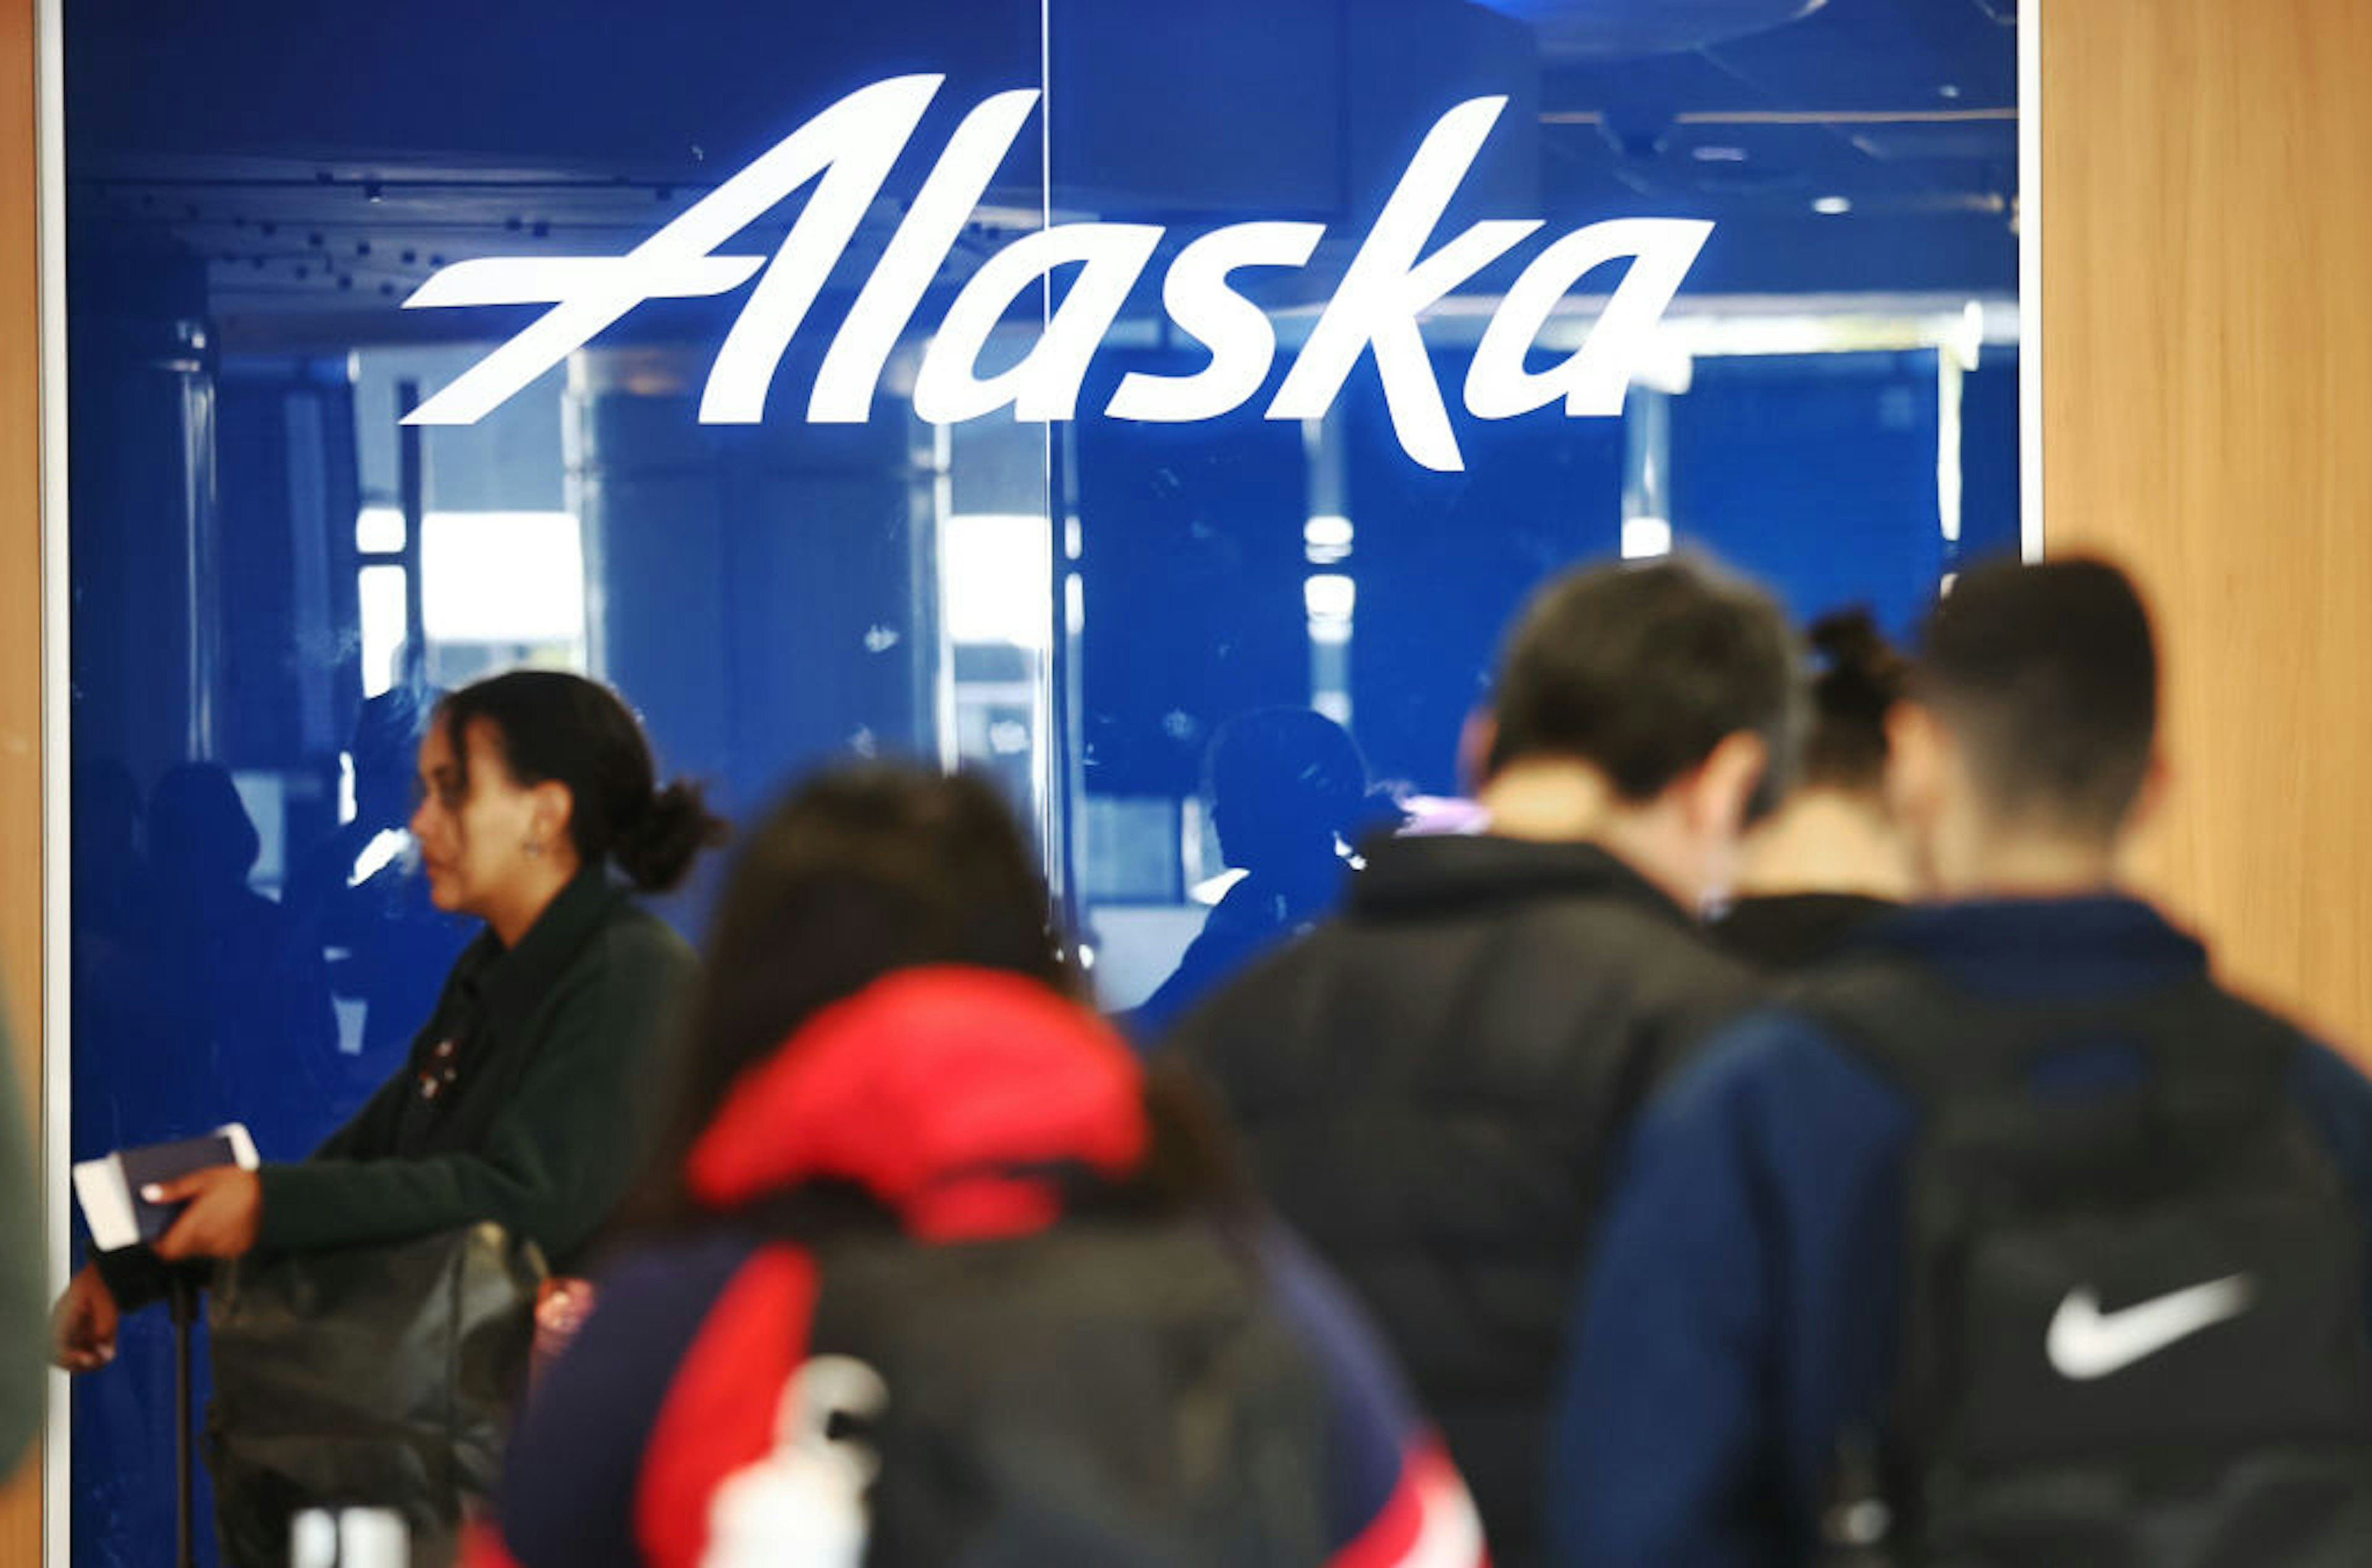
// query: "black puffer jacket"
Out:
[1428,1087]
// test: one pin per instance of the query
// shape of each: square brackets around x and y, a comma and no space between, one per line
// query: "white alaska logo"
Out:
[847,152]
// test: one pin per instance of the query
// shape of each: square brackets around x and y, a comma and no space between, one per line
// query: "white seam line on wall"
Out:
[57,1066]
[2029,279]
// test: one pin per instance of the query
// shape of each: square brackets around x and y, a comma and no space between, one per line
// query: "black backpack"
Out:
[1103,1395]
[2135,1331]
[384,1375]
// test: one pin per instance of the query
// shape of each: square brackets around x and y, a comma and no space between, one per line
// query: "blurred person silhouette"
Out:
[192,988]
[361,894]
[932,1269]
[110,881]
[238,1010]
[106,852]
[23,1384]
[1831,858]
[120,1436]
[523,1101]
[2013,1238]
[1290,802]
[1429,1083]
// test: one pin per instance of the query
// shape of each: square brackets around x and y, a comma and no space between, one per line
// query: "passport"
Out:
[108,1188]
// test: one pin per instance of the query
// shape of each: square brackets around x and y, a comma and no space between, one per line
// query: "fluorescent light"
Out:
[996,579]
[377,855]
[1831,206]
[1211,890]
[1646,537]
[1329,595]
[502,577]
[1969,344]
[1327,533]
[1327,540]
[380,590]
[378,530]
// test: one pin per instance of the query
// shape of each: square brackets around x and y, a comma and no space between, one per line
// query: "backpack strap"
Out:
[2205,1052]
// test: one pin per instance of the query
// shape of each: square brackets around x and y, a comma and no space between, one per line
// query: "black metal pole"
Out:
[184,1313]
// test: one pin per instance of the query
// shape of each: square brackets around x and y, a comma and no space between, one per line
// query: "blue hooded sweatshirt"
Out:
[1742,1309]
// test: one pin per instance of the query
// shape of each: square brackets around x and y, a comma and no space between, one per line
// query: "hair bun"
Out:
[1860,673]
[1848,637]
[659,845]
[1857,678]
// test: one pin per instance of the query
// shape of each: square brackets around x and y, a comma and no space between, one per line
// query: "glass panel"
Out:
[1175,447]
[1291,606]
[273,573]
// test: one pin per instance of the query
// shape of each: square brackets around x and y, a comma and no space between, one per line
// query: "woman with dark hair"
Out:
[1831,858]
[935,1271]
[522,1099]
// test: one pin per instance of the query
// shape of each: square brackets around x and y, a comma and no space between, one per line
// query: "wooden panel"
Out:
[20,633]
[2207,409]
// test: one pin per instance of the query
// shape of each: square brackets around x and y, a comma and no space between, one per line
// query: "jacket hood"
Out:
[952,1096]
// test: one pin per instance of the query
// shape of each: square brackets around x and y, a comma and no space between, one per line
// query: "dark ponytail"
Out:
[659,845]
[1860,678]
[555,726]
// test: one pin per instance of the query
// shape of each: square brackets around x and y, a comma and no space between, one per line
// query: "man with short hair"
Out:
[2013,1240]
[1427,1085]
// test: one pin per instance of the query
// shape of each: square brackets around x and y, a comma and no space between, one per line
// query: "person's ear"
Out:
[2157,778]
[1475,740]
[1915,763]
[1725,782]
[550,806]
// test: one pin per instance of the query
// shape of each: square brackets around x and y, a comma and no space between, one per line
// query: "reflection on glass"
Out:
[379,531]
[273,575]
[501,588]
[1289,799]
[996,587]
[381,593]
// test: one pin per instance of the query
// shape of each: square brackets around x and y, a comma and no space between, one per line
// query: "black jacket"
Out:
[1795,931]
[1427,1087]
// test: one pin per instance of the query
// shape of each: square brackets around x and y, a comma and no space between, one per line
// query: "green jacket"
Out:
[541,1109]
[538,1112]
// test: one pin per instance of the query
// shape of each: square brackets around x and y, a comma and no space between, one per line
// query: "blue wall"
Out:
[253,191]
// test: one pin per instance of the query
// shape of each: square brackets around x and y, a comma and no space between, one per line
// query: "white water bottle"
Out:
[804,1502]
[348,1538]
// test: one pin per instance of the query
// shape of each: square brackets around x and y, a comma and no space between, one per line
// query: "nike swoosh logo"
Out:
[2086,1343]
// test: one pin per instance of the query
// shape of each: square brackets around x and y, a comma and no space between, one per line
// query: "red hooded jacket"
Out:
[947,1096]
